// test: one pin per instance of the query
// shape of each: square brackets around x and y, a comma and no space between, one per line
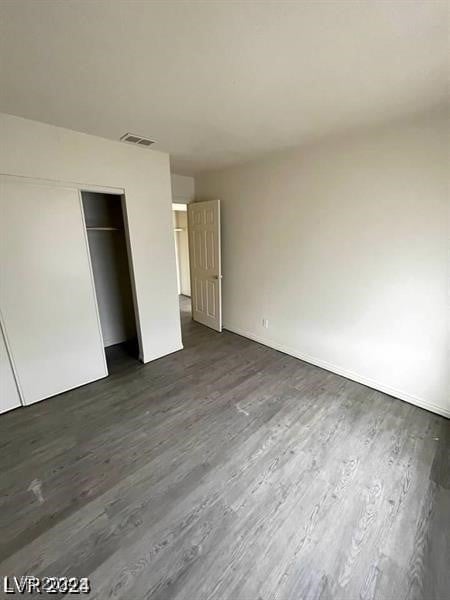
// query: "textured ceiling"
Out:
[217,83]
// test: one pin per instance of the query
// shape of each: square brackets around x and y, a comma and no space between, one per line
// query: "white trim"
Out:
[372,383]
[84,187]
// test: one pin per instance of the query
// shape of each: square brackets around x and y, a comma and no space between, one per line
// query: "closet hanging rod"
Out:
[103,228]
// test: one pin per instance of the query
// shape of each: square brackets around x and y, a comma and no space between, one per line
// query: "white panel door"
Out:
[47,295]
[9,394]
[206,268]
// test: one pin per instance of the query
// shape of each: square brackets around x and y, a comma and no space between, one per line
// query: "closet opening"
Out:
[105,222]
[182,260]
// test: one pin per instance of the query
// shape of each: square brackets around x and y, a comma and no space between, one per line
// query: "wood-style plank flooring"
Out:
[227,471]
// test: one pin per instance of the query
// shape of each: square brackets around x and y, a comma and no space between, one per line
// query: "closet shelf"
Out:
[103,228]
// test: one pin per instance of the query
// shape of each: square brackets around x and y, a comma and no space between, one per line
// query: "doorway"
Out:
[110,260]
[181,234]
[181,238]
[197,234]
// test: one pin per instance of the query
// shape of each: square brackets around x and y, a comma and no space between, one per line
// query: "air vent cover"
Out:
[132,138]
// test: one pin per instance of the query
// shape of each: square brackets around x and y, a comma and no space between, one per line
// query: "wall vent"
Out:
[132,138]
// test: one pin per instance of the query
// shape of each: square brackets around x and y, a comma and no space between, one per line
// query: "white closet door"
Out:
[47,295]
[9,394]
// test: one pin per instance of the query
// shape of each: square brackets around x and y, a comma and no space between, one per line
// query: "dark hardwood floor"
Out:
[227,471]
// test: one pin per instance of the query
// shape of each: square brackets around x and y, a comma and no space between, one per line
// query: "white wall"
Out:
[343,247]
[183,188]
[37,150]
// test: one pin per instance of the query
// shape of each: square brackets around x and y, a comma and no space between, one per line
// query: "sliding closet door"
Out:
[47,296]
[9,394]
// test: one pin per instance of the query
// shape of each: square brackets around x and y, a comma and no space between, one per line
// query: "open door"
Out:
[205,262]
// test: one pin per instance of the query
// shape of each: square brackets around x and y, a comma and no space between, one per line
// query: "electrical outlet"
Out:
[265,323]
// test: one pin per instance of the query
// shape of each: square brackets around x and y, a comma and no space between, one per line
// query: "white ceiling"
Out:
[221,82]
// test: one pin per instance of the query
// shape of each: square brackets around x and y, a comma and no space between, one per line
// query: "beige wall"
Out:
[37,150]
[343,247]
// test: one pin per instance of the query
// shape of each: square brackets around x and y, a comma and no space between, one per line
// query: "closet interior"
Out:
[108,248]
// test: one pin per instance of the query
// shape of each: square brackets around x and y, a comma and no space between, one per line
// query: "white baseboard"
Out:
[372,383]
